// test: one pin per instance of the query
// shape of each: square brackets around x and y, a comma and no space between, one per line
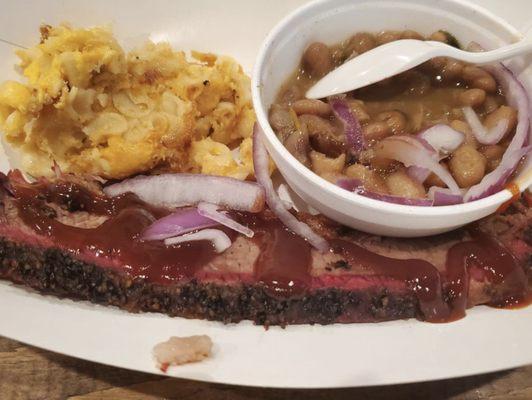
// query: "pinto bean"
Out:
[472,97]
[462,126]
[318,59]
[376,130]
[317,125]
[395,120]
[493,154]
[370,179]
[434,180]
[400,184]
[323,135]
[350,56]
[298,144]
[290,95]
[366,156]
[279,117]
[438,36]
[409,34]
[486,83]
[311,106]
[503,112]
[445,37]
[479,78]
[456,113]
[329,145]
[379,163]
[321,164]
[358,108]
[387,37]
[472,72]
[452,69]
[361,42]
[467,166]
[281,121]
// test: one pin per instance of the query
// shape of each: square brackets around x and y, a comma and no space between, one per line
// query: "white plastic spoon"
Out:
[395,57]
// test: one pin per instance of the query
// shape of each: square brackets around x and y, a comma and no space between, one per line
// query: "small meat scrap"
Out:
[182,350]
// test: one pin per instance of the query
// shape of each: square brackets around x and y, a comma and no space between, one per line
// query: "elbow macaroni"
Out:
[94,109]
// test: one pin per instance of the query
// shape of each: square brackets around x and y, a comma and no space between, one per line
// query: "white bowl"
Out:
[331,21]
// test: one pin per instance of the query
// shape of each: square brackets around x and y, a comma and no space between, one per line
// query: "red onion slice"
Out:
[354,137]
[178,190]
[418,143]
[411,152]
[219,239]
[356,186]
[178,223]
[406,201]
[148,215]
[261,165]
[442,138]
[284,194]
[210,211]
[494,181]
[483,136]
[518,98]
[444,197]
[527,165]
[418,174]
[350,184]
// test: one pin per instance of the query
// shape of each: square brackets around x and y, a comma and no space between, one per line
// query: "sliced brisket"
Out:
[56,238]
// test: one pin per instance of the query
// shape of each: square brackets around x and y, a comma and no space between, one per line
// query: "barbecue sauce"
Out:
[118,237]
[283,266]
[284,261]
[497,266]
[421,277]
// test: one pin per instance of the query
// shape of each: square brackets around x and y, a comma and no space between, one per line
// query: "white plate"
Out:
[299,356]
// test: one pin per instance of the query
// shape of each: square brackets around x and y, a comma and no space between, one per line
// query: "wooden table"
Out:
[30,373]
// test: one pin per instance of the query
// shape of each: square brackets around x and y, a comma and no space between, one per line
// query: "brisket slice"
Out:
[227,289]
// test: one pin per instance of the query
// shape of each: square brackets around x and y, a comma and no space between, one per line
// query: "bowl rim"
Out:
[287,24]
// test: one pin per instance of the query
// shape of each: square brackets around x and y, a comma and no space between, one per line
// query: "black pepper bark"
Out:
[56,272]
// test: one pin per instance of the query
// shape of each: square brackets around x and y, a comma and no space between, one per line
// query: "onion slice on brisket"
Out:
[218,238]
[261,165]
[178,190]
[211,211]
[182,221]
